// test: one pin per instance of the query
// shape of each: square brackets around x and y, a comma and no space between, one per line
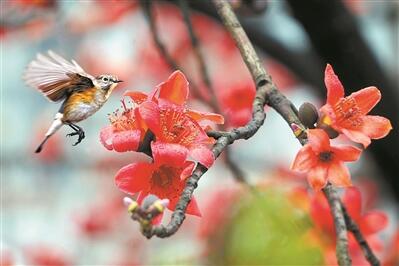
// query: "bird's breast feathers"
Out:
[81,105]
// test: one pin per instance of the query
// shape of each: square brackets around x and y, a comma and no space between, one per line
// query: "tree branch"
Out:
[352,227]
[341,250]
[266,93]
[213,103]
[147,8]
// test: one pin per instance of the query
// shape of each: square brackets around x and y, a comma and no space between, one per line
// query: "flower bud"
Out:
[148,201]
[308,115]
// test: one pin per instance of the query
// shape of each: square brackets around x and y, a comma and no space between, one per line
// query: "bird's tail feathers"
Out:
[57,123]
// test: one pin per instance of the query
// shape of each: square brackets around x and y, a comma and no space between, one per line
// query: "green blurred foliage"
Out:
[266,229]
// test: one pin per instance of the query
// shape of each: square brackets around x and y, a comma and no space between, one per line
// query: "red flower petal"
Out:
[126,140]
[150,113]
[318,140]
[187,171]
[376,127]
[192,208]
[134,177]
[346,153]
[106,135]
[137,96]
[317,177]
[169,154]
[352,200]
[338,175]
[199,116]
[357,136]
[203,155]
[175,89]
[304,160]
[373,222]
[335,90]
[366,98]
[321,214]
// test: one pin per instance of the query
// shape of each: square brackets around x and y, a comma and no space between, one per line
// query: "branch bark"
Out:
[341,249]
[266,93]
[352,227]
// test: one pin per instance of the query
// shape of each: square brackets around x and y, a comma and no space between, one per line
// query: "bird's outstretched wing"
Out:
[55,77]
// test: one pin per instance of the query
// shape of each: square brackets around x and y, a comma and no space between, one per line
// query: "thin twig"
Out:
[352,227]
[147,8]
[238,173]
[199,55]
[340,225]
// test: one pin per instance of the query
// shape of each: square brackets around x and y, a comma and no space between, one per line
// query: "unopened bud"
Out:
[160,205]
[148,201]
[308,114]
[131,204]
[127,201]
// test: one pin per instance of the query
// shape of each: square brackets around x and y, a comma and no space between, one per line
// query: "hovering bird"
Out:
[81,93]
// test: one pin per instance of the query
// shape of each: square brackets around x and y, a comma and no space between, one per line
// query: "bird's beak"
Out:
[118,81]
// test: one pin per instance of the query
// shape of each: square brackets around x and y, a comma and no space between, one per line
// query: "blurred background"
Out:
[61,207]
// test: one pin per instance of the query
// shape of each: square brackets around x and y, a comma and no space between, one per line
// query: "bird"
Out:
[81,93]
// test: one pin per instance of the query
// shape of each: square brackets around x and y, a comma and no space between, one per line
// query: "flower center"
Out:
[347,112]
[326,156]
[177,127]
[123,121]
[163,176]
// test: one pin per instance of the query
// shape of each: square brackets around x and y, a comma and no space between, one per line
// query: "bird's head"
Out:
[107,83]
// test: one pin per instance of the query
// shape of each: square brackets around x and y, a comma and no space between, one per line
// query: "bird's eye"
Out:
[105,79]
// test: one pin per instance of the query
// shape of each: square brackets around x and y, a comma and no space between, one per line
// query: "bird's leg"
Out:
[78,131]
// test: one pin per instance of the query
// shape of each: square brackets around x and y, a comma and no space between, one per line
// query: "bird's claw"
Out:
[81,136]
[72,134]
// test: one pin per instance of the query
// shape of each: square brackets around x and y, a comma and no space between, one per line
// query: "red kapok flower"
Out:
[125,131]
[323,162]
[165,177]
[171,122]
[348,115]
